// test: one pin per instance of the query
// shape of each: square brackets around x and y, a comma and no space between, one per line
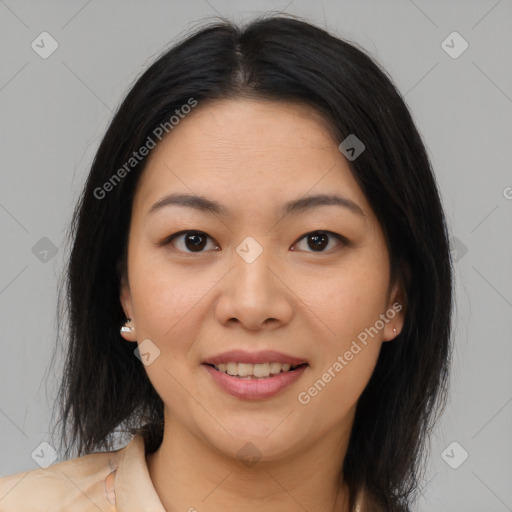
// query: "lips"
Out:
[254,389]
[244,384]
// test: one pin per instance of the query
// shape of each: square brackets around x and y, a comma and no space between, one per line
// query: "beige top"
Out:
[108,481]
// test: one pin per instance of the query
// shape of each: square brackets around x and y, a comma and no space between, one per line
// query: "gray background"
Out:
[54,112]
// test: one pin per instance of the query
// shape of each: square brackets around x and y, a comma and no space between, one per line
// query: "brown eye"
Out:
[189,241]
[317,241]
[195,241]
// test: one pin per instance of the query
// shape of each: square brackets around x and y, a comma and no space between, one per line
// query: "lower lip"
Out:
[254,389]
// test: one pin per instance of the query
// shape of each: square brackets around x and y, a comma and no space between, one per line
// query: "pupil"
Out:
[193,241]
[320,241]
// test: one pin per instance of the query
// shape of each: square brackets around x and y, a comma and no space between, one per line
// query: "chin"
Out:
[251,445]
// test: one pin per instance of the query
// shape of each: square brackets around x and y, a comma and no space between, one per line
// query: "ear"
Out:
[126,302]
[395,313]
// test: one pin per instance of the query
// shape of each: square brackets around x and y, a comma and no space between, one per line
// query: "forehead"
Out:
[251,154]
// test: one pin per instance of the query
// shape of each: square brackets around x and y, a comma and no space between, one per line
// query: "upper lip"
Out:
[262,356]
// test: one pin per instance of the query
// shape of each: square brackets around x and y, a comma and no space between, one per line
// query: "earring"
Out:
[394,330]
[125,328]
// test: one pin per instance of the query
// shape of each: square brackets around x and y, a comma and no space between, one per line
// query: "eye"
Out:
[319,240]
[189,241]
[196,241]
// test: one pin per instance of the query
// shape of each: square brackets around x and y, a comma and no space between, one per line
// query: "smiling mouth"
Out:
[255,371]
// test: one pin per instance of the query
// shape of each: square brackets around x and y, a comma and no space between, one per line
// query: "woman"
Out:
[259,289]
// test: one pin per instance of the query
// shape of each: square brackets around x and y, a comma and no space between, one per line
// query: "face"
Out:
[255,273]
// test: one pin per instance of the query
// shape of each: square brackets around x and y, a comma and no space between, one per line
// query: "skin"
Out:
[252,156]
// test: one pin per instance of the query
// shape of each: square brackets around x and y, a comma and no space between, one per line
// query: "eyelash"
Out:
[340,238]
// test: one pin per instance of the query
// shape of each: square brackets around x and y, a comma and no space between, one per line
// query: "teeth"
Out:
[275,368]
[261,370]
[246,370]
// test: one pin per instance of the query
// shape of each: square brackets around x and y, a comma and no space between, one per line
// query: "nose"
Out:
[254,295]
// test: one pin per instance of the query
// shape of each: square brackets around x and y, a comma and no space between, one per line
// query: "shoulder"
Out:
[75,484]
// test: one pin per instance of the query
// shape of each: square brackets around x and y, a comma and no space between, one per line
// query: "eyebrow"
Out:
[300,205]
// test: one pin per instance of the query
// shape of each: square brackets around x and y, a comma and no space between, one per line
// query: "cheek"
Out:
[348,300]
[349,304]
[332,391]
[349,353]
[166,301]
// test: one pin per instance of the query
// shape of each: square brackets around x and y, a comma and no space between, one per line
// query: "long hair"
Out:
[105,388]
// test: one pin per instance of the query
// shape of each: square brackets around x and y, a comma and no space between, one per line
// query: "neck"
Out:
[191,475]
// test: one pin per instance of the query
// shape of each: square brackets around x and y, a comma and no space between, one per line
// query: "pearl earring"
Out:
[125,328]
[394,330]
